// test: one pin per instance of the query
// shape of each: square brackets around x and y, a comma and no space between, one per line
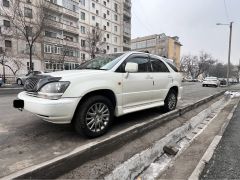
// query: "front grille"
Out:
[33,94]
[31,84]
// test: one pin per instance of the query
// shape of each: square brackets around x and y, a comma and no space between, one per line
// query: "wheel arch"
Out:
[103,92]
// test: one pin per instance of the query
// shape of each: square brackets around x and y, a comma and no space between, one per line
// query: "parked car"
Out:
[211,81]
[223,82]
[107,86]
[21,79]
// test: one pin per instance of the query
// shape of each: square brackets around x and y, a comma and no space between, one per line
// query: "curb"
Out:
[54,168]
[209,152]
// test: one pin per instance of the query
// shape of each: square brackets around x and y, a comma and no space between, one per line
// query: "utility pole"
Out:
[229,49]
[229,53]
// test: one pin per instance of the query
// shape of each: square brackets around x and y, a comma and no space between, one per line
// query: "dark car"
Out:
[223,82]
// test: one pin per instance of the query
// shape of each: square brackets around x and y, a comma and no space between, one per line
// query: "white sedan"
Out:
[211,81]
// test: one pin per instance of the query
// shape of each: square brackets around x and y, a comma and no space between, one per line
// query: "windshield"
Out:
[103,62]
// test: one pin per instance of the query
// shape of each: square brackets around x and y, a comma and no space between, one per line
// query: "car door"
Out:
[137,87]
[162,78]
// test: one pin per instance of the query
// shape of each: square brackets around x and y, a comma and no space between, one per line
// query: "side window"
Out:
[142,61]
[158,65]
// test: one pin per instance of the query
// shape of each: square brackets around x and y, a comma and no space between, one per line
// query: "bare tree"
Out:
[14,64]
[94,42]
[196,65]
[28,23]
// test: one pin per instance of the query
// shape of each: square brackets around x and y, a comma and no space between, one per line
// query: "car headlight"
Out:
[53,90]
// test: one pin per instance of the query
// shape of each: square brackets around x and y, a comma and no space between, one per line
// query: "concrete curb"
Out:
[54,168]
[209,152]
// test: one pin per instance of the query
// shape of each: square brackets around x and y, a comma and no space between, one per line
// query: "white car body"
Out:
[132,91]
[211,81]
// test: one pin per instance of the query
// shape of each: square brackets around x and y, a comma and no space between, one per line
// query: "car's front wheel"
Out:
[94,116]
[170,102]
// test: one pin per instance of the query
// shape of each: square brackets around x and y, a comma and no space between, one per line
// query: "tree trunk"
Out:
[30,58]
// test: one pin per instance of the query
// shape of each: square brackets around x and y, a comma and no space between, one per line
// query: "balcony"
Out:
[54,24]
[70,13]
[53,7]
[127,3]
[127,13]
[72,44]
[71,29]
[52,40]
[61,26]
[61,10]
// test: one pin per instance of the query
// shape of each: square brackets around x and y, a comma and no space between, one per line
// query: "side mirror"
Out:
[131,67]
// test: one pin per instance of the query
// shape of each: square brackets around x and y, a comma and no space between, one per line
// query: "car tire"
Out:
[203,85]
[170,102]
[19,82]
[94,116]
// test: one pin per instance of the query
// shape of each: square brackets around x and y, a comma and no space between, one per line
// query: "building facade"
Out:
[63,41]
[161,45]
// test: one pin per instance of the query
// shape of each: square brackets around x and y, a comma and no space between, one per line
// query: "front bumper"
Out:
[56,111]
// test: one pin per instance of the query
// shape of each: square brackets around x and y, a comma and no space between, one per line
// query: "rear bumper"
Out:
[56,111]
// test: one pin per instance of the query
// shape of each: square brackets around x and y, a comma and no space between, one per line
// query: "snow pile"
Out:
[232,94]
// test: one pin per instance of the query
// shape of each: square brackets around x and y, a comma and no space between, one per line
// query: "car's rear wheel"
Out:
[94,116]
[170,102]
[19,82]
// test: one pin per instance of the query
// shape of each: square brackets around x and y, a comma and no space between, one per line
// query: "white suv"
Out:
[107,86]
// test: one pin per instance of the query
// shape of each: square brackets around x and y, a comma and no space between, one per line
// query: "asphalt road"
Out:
[26,140]
[225,163]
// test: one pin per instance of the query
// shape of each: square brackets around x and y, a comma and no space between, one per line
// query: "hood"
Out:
[74,73]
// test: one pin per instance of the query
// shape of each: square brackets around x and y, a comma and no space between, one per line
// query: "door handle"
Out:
[170,77]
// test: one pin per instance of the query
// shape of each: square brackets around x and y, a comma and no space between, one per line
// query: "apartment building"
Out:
[159,44]
[63,40]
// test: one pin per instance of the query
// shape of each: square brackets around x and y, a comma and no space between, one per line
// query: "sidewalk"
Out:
[225,163]
[184,165]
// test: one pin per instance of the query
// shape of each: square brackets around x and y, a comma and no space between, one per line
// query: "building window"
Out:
[104,16]
[115,49]
[83,30]
[105,28]
[8,43]
[82,16]
[115,39]
[97,24]
[108,35]
[107,47]
[108,24]
[104,39]
[28,30]
[6,3]
[93,18]
[93,5]
[28,12]
[97,12]
[115,7]
[108,12]
[115,28]
[104,2]
[82,2]
[83,43]
[6,23]
[83,56]
[115,17]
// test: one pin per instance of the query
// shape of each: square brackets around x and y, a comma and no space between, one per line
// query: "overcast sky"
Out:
[194,21]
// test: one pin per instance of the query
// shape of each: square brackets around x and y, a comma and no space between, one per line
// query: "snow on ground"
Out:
[232,94]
